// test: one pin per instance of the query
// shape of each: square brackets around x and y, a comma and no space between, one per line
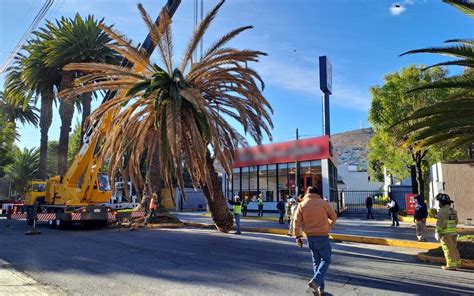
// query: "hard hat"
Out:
[443,197]
[154,194]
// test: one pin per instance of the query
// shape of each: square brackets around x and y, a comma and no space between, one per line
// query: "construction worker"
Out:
[237,207]
[260,204]
[153,207]
[446,233]
[245,204]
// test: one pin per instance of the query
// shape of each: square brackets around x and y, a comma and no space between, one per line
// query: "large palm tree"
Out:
[71,40]
[23,168]
[181,113]
[29,72]
[452,121]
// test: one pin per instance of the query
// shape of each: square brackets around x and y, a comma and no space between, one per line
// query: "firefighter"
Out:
[446,232]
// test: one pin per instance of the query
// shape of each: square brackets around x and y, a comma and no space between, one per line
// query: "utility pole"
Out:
[297,173]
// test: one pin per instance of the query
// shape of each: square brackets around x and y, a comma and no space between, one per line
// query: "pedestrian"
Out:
[316,216]
[245,204]
[288,208]
[446,232]
[421,213]
[292,206]
[300,197]
[260,204]
[369,203]
[281,210]
[393,209]
[237,207]
[153,207]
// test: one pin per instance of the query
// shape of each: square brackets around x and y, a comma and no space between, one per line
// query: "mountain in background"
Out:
[351,147]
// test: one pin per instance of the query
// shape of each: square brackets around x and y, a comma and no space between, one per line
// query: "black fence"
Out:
[353,201]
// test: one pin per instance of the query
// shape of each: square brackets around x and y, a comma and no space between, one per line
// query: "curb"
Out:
[466,263]
[410,219]
[165,225]
[339,237]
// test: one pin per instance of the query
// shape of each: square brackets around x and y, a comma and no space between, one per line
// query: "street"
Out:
[205,262]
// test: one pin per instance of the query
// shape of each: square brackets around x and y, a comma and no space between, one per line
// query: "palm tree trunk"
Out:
[154,176]
[86,111]
[46,117]
[66,112]
[217,203]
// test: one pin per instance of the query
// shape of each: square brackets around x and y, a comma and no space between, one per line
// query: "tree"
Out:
[23,168]
[52,163]
[451,121]
[391,103]
[7,138]
[180,113]
[75,142]
[29,72]
[16,107]
[67,41]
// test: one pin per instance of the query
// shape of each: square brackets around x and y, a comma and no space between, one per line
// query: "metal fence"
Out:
[353,201]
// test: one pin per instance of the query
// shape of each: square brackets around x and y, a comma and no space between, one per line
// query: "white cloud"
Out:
[305,81]
[397,9]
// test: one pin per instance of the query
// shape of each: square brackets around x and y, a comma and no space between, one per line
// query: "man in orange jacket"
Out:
[316,216]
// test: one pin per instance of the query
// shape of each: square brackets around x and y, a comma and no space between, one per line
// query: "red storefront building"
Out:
[271,170]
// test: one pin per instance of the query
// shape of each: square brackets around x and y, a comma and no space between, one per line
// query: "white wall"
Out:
[355,180]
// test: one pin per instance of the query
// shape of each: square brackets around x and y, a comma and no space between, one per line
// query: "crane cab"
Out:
[35,192]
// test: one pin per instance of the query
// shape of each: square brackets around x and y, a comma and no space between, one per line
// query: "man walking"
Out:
[316,217]
[369,202]
[393,209]
[237,207]
[281,210]
[421,213]
[260,204]
[446,232]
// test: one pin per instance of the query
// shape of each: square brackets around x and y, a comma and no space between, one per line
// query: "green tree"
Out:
[450,121]
[75,142]
[16,107]
[23,168]
[70,40]
[179,112]
[391,103]
[7,138]
[52,163]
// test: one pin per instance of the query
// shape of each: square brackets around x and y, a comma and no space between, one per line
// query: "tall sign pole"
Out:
[325,83]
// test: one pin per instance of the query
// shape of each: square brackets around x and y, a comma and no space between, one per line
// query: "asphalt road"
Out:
[204,262]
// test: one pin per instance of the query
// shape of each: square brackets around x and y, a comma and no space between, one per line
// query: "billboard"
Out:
[325,74]
[298,150]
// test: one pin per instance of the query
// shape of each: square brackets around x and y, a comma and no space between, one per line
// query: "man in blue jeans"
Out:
[316,216]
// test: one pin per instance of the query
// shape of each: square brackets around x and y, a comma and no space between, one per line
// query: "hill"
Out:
[351,146]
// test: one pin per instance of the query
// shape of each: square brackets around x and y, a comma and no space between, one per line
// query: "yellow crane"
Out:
[79,195]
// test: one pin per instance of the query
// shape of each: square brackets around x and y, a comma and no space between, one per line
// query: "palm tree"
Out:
[17,107]
[180,113]
[67,41]
[451,121]
[29,72]
[23,168]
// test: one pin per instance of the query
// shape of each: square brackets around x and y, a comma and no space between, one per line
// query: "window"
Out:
[283,184]
[272,183]
[263,180]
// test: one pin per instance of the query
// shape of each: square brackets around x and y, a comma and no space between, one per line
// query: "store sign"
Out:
[410,202]
[325,74]
[299,150]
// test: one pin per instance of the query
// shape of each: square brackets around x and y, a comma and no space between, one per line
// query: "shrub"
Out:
[432,212]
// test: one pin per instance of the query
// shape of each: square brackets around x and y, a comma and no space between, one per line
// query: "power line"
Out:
[34,24]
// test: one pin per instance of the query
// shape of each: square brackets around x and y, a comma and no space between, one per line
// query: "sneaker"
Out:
[237,232]
[444,267]
[315,288]
[321,291]
[288,234]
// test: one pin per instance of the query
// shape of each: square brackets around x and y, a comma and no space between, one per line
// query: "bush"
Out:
[381,200]
[403,212]
[432,212]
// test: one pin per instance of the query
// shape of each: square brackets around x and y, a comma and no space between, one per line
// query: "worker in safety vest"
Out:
[237,207]
[260,204]
[446,232]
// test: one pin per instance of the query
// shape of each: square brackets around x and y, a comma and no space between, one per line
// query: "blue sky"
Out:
[362,39]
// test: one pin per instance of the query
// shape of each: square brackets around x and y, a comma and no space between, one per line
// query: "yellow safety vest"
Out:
[450,224]
[237,209]
[260,201]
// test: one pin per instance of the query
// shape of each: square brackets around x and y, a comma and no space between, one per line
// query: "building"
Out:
[455,178]
[355,178]
[271,170]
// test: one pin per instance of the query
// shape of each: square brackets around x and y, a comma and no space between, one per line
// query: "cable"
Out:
[34,24]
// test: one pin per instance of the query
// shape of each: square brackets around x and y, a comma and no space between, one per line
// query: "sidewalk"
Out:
[13,282]
[345,225]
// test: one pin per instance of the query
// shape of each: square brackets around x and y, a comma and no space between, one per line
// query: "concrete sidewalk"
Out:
[13,282]
[347,226]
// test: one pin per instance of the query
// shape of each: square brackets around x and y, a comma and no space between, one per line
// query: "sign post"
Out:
[325,84]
